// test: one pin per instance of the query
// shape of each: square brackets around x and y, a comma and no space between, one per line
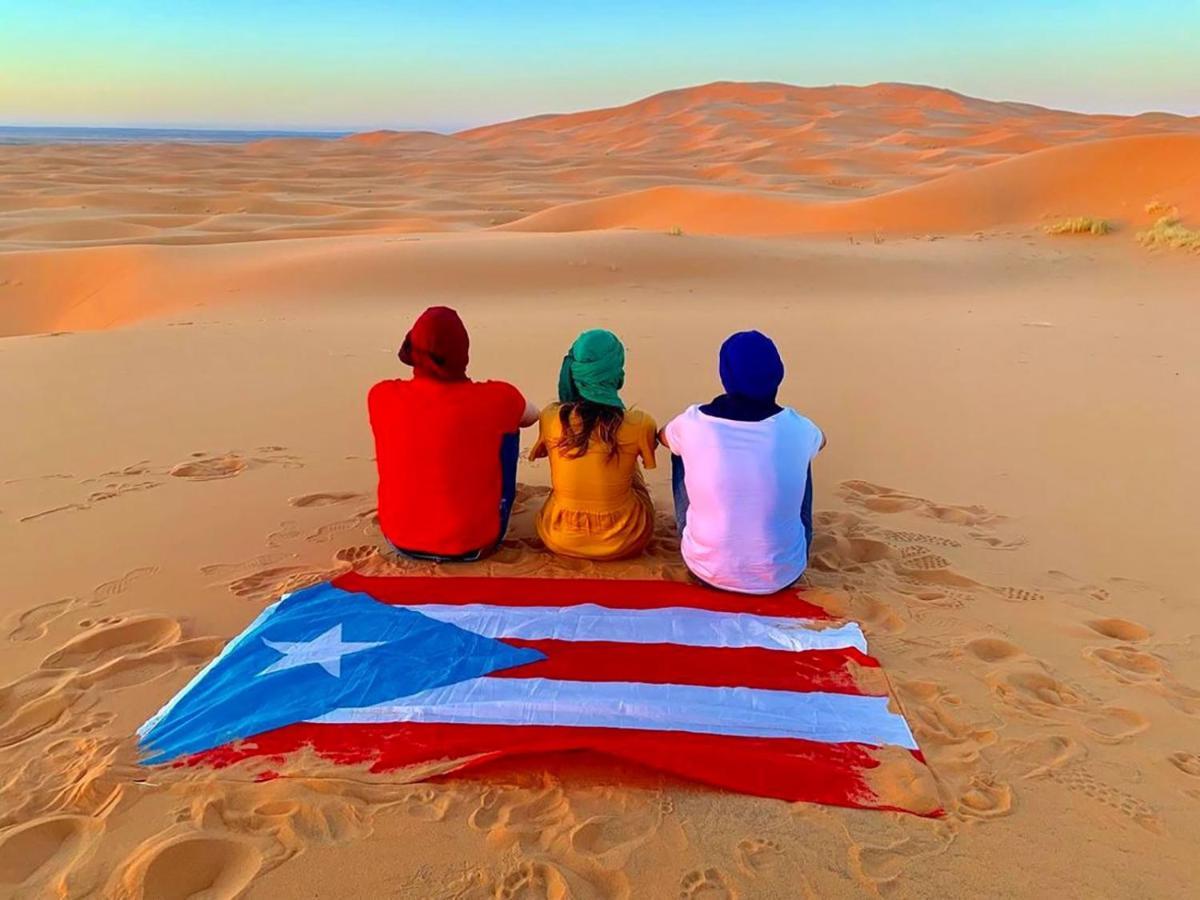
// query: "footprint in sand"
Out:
[929,708]
[22,721]
[914,537]
[140,668]
[1040,695]
[34,623]
[882,865]
[1188,763]
[1130,665]
[1078,778]
[324,498]
[1119,629]
[834,551]
[758,856]
[940,598]
[997,543]
[271,583]
[190,865]
[985,798]
[1021,595]
[1037,756]
[109,589]
[108,493]
[705,884]
[287,531]
[362,558]
[918,559]
[105,643]
[992,650]
[36,856]
[886,500]
[488,814]
[533,880]
[611,840]
[872,611]
[427,803]
[360,521]
[210,468]
[1127,664]
[227,570]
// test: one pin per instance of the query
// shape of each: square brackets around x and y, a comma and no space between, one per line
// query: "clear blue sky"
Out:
[369,63]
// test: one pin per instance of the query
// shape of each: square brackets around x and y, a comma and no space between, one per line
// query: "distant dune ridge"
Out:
[157,226]
[727,157]
[1114,177]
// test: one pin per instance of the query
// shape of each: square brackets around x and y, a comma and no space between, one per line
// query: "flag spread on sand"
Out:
[763,695]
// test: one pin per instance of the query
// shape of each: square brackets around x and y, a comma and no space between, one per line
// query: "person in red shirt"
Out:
[446,447]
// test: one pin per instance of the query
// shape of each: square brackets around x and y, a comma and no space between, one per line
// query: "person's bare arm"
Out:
[531,414]
[824,441]
[662,438]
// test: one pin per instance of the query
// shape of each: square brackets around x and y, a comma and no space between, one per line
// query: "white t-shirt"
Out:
[745,483]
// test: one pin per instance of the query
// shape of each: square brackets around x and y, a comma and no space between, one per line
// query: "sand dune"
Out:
[1115,178]
[817,145]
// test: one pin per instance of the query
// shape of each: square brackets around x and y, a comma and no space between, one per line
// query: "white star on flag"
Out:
[325,651]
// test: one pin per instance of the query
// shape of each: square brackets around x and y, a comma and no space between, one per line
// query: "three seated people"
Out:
[447,447]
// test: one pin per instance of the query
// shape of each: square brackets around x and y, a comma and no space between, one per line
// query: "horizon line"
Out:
[447,129]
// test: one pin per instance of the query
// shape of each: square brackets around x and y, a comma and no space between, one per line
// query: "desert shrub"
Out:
[1171,233]
[1079,225]
[675,231]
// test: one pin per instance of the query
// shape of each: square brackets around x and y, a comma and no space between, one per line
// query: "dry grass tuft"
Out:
[675,231]
[1169,232]
[1158,208]
[1079,225]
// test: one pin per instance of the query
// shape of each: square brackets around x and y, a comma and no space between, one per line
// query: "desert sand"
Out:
[1008,503]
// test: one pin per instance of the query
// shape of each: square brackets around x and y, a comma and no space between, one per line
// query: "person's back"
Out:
[445,447]
[598,507]
[746,483]
[743,476]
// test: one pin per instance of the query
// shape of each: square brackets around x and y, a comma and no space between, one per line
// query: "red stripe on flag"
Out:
[787,769]
[846,671]
[611,593]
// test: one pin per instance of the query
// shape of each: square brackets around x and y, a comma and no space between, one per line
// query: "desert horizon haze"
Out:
[988,307]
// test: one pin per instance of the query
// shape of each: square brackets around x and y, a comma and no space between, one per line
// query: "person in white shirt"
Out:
[742,474]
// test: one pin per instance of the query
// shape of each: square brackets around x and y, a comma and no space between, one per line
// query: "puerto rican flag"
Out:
[762,695]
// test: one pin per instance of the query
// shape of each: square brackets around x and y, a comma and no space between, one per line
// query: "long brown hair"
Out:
[595,419]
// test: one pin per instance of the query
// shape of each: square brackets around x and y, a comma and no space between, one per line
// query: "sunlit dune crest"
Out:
[816,159]
[1112,177]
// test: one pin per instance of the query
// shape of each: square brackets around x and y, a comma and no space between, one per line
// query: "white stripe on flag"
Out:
[742,712]
[671,625]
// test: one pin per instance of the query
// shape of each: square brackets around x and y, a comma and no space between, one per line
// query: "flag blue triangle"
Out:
[315,651]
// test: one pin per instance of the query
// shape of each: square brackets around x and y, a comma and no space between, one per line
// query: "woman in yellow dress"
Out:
[598,506]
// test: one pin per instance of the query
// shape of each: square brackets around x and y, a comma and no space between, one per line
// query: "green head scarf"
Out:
[593,370]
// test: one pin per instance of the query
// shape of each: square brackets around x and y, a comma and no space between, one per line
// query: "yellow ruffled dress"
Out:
[598,506]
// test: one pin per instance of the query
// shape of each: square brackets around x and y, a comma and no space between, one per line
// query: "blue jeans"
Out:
[679,489]
[510,451]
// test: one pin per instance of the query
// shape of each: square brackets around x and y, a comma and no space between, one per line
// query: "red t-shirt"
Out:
[437,448]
